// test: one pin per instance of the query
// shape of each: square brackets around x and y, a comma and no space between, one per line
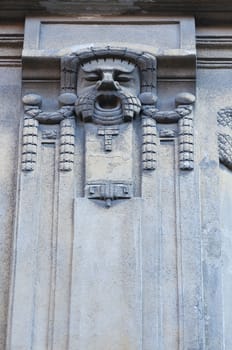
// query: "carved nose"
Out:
[107,82]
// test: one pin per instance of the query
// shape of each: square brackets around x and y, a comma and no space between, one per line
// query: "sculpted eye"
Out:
[93,77]
[122,77]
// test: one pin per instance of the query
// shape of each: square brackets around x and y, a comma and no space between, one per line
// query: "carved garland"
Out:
[182,114]
[33,115]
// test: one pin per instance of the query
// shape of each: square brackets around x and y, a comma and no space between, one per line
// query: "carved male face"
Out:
[107,91]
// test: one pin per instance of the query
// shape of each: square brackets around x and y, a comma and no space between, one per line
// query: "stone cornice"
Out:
[11,45]
[204,12]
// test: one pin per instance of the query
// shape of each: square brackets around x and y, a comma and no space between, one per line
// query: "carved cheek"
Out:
[133,85]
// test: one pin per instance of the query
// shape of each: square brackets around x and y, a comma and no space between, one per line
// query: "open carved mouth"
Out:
[108,102]
[108,109]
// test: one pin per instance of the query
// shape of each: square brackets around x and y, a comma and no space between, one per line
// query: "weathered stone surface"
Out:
[10,92]
[67,99]
[147,98]
[106,288]
[226,224]
[111,141]
[118,230]
[184,98]
[204,11]
[32,99]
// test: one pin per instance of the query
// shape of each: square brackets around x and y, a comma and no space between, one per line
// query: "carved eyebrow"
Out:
[128,69]
[118,72]
[92,71]
[97,70]
[122,71]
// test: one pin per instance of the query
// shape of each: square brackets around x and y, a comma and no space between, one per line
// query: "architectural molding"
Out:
[214,63]
[11,45]
[214,49]
[205,12]
[213,41]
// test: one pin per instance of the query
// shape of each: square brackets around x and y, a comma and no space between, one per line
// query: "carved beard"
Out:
[107,108]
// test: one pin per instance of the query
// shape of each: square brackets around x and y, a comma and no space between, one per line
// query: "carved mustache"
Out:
[109,107]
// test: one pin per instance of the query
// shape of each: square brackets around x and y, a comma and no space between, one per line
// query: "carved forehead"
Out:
[108,64]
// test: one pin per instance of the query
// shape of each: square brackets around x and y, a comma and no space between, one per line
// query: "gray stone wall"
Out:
[115,236]
[11,39]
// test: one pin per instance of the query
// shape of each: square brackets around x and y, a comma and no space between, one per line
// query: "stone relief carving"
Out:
[107,61]
[49,134]
[107,91]
[109,191]
[166,133]
[224,119]
[108,87]
[67,144]
[149,131]
[67,131]
[33,116]
[30,131]
[109,83]
[182,115]
[108,134]
[186,137]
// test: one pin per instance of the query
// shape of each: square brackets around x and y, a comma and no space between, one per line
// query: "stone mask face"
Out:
[107,91]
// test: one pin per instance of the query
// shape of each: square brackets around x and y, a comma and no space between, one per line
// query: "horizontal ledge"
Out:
[54,53]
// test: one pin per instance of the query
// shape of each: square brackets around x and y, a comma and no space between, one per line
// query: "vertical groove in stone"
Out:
[168,231]
[45,253]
